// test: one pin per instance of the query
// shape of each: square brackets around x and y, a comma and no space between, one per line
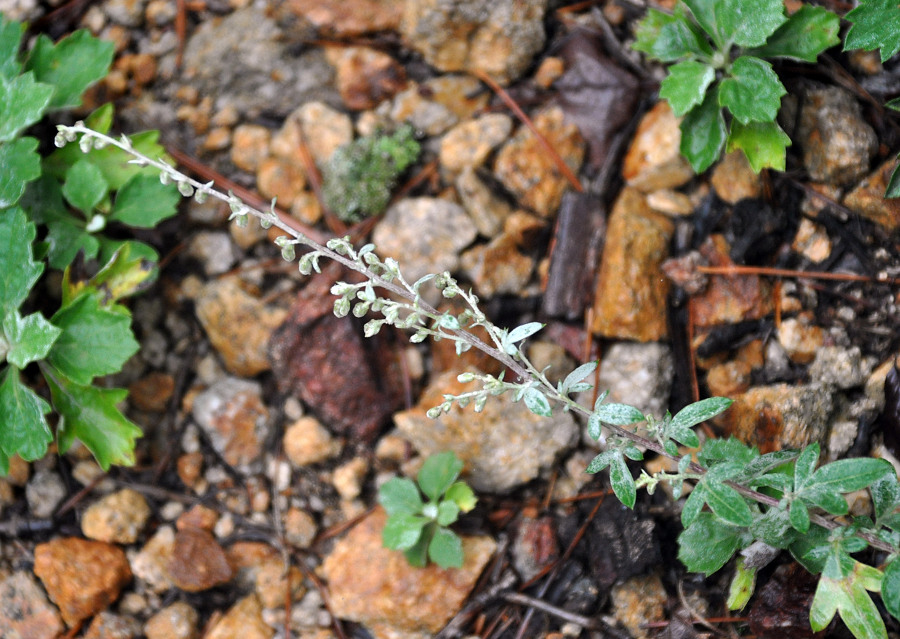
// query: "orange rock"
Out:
[118,517]
[378,588]
[280,179]
[654,160]
[734,180]
[800,339]
[729,299]
[242,621]
[346,18]
[728,379]
[365,76]
[249,145]
[868,200]
[246,558]
[630,300]
[198,562]
[199,516]
[189,467]
[81,577]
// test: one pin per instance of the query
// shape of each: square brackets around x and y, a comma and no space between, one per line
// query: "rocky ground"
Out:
[269,424]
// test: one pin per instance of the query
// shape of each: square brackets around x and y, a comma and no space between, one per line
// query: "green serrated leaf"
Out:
[10,41]
[462,495]
[686,85]
[446,549]
[669,37]
[799,516]
[89,414]
[619,414]
[71,65]
[22,103]
[727,504]
[703,133]
[402,531]
[418,555]
[113,162]
[23,428]
[849,598]
[95,340]
[763,143]
[890,587]
[438,473]
[399,496]
[19,164]
[537,402]
[707,544]
[806,34]
[621,480]
[875,25]
[752,91]
[67,237]
[143,202]
[121,277]
[18,270]
[448,512]
[746,24]
[84,187]
[893,187]
[29,338]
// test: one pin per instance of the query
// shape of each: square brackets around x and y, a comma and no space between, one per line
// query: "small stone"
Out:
[307,208]
[126,12]
[378,588]
[242,621]
[280,179]
[638,374]
[347,478]
[549,71]
[44,493]
[551,358]
[175,621]
[837,142]
[535,546]
[107,625]
[81,577]
[348,18]
[198,562]
[365,76]
[654,160]
[249,235]
[526,169]
[425,235]
[152,392]
[639,601]
[149,564]
[868,199]
[25,611]
[273,583]
[670,202]
[631,290]
[468,144]
[116,518]
[839,367]
[323,130]
[246,558]
[812,241]
[299,528]
[800,339]
[307,442]
[496,37]
[249,146]
[199,516]
[238,325]
[189,467]
[217,139]
[487,210]
[497,268]
[733,179]
[232,413]
[494,443]
[780,416]
[728,379]
[214,251]
[19,471]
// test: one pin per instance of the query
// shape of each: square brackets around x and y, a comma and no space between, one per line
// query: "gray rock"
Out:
[25,611]
[214,250]
[425,235]
[243,52]
[840,367]
[504,446]
[837,143]
[44,492]
[638,374]
[487,210]
[234,417]
[129,13]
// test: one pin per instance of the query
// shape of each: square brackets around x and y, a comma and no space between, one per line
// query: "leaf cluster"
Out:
[360,176]
[51,212]
[420,528]
[718,49]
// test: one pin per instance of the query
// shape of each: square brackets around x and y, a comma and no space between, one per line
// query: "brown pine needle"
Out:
[785,272]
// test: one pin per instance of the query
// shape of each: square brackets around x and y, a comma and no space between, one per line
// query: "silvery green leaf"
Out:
[568,384]
[536,402]
[524,331]
[372,327]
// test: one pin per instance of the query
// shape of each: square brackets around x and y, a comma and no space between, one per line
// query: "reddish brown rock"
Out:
[728,379]
[378,588]
[242,621]
[81,577]
[365,76]
[630,300]
[249,146]
[25,611]
[654,160]
[868,199]
[527,170]
[728,299]
[779,416]
[198,562]
[280,179]
[152,392]
[347,18]
[199,516]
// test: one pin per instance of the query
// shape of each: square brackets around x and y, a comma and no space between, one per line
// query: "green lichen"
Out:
[360,176]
